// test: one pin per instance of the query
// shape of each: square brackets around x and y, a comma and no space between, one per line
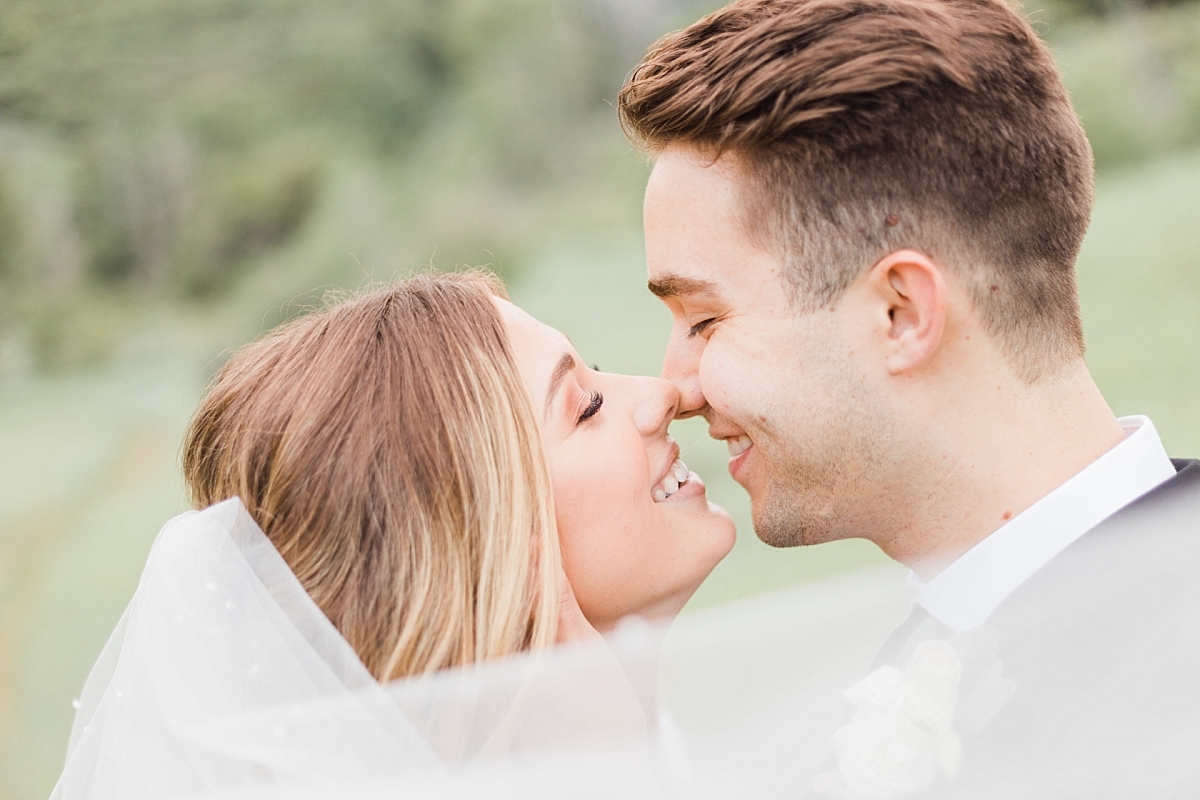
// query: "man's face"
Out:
[787,391]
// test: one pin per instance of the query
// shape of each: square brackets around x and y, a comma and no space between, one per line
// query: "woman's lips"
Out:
[678,476]
[690,490]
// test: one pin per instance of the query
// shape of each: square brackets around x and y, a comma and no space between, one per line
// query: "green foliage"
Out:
[72,328]
[72,62]
[10,237]
[165,218]
[199,135]
[184,118]
[100,215]
[1135,81]
[169,150]
[1139,287]
[250,203]
[1056,13]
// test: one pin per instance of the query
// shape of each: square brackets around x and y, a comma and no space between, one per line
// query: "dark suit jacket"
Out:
[1102,649]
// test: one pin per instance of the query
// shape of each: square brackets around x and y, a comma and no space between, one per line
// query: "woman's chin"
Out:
[692,498]
[717,539]
[701,525]
[708,525]
[691,535]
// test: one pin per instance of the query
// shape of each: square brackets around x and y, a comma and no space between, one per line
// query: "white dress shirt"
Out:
[964,594]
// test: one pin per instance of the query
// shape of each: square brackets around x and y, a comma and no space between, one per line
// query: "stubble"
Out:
[822,482]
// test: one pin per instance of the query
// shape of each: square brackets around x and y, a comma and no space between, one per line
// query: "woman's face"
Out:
[637,531]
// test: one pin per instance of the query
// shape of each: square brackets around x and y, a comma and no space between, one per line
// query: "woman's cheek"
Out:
[574,491]
[578,511]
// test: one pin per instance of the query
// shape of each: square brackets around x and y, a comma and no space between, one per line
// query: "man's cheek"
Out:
[727,383]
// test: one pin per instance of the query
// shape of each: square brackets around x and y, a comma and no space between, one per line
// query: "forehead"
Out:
[696,225]
[536,346]
[685,181]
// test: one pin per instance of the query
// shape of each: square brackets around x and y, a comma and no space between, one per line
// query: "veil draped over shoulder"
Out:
[224,679]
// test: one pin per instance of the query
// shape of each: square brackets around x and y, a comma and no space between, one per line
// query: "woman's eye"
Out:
[700,327]
[593,407]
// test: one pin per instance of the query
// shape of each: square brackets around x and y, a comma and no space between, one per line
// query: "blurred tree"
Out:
[200,132]
[10,238]
[1064,10]
[198,137]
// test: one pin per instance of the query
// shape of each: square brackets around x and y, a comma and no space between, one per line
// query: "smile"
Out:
[738,445]
[678,475]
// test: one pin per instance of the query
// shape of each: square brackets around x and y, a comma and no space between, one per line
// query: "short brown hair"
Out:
[867,126]
[388,448]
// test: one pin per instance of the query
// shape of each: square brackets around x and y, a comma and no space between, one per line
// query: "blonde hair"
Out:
[388,448]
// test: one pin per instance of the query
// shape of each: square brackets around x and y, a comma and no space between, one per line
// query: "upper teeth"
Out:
[676,477]
[738,445]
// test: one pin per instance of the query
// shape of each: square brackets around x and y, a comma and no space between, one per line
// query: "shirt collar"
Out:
[964,594]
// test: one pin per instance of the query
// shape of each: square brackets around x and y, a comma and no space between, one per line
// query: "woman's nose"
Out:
[658,402]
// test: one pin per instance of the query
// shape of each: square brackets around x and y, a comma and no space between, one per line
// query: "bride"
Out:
[412,482]
[419,455]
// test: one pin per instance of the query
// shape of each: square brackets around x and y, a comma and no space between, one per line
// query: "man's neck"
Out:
[994,452]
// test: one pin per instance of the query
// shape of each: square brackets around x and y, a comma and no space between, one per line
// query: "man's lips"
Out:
[735,439]
[740,447]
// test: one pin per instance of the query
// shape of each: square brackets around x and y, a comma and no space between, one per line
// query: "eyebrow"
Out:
[679,286]
[561,370]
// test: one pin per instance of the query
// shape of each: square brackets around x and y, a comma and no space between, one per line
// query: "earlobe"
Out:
[914,291]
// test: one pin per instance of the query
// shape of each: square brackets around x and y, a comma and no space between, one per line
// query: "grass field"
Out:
[88,469]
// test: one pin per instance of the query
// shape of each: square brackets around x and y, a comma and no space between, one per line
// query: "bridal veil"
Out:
[224,679]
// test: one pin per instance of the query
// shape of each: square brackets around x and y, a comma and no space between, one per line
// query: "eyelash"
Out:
[700,327]
[593,407]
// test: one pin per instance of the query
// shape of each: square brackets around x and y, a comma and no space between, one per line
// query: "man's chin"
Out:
[782,525]
[784,539]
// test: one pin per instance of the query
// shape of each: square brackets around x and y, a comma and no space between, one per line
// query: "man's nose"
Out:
[681,366]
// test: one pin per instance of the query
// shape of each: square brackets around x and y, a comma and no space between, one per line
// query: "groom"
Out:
[864,217]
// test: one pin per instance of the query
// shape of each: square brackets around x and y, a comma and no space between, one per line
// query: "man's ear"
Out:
[913,291]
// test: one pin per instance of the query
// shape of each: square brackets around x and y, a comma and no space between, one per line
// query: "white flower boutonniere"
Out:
[901,737]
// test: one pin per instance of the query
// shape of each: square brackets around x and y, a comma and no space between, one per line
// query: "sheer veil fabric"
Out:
[223,679]
[222,673]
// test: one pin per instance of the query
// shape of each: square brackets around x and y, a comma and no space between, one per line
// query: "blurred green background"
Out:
[178,175]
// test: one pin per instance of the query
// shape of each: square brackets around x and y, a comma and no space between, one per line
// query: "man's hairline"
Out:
[773,241]
[708,155]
